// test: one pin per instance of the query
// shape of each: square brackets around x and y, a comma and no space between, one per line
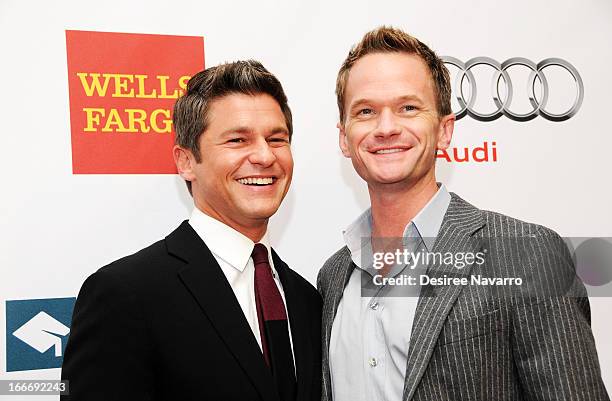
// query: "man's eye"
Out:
[281,140]
[236,140]
[408,108]
[365,112]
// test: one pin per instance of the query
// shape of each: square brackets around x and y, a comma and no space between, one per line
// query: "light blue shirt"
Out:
[370,335]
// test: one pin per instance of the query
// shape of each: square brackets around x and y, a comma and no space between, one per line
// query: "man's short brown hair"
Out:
[392,40]
[248,77]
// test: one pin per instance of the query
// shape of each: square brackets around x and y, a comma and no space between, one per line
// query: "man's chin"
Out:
[263,212]
[384,180]
[389,174]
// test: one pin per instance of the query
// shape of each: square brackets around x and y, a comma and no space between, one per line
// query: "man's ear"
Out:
[343,140]
[185,162]
[445,131]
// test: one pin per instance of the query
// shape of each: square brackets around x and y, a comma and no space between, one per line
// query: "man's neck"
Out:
[393,208]
[254,230]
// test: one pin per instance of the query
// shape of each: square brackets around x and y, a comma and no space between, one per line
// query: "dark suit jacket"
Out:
[164,324]
[474,342]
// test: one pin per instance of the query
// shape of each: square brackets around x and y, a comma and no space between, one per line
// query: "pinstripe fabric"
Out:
[470,343]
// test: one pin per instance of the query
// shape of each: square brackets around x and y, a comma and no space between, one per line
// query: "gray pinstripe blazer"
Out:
[471,343]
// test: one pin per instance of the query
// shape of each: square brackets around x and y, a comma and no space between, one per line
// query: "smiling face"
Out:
[246,164]
[392,128]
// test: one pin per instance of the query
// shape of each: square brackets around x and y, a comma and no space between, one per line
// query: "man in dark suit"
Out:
[210,312]
[437,338]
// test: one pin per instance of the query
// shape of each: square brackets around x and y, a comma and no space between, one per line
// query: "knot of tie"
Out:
[260,255]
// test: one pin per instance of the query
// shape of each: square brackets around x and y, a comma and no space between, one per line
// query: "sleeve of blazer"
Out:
[320,287]
[107,355]
[553,346]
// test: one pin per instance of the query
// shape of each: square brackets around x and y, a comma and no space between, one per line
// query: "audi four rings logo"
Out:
[538,103]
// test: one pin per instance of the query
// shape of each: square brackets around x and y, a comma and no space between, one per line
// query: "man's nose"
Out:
[387,124]
[261,153]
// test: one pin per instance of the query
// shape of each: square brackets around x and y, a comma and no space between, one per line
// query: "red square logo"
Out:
[122,90]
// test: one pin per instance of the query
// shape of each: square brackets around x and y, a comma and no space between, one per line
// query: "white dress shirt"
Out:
[232,250]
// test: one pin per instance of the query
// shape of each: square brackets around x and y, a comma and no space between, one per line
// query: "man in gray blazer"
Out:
[440,338]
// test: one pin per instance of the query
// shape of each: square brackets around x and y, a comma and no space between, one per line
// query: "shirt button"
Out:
[374,305]
[372,362]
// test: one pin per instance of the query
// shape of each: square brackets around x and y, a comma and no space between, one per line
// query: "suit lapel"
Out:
[300,329]
[460,222]
[207,284]
[333,295]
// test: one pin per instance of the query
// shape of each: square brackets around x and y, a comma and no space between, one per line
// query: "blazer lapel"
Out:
[300,329]
[460,222]
[205,281]
[333,295]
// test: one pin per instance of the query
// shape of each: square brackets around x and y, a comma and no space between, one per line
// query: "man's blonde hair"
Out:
[392,40]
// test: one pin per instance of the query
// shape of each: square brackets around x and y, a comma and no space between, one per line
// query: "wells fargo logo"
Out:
[122,90]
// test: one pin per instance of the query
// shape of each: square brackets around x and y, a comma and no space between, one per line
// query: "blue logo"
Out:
[36,332]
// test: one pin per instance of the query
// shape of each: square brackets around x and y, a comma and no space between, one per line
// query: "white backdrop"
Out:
[57,228]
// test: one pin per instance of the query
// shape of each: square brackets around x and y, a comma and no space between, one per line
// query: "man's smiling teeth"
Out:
[256,181]
[383,151]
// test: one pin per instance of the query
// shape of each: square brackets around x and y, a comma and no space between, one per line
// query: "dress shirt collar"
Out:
[223,241]
[429,220]
[427,223]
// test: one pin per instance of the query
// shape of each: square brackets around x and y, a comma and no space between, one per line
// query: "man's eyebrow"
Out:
[279,130]
[247,130]
[399,99]
[360,102]
[412,98]
[237,130]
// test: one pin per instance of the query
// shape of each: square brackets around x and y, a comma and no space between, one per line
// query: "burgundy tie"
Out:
[273,325]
